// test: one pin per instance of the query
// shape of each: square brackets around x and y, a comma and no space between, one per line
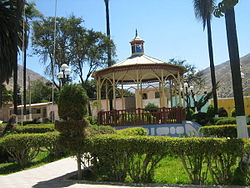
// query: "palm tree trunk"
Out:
[24,70]
[109,53]
[212,68]
[233,50]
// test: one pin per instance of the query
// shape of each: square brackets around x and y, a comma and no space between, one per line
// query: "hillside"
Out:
[224,77]
[33,76]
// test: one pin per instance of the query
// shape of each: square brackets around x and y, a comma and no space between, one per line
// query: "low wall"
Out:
[187,128]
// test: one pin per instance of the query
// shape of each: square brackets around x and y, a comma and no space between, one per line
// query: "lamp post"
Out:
[188,91]
[63,75]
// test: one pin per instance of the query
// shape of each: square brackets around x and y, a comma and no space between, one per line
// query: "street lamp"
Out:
[63,75]
[188,91]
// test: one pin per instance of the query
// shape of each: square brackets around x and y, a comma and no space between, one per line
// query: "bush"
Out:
[221,131]
[34,121]
[225,120]
[41,128]
[233,113]
[151,105]
[134,131]
[189,114]
[201,118]
[92,120]
[72,103]
[23,148]
[222,112]
[97,130]
[116,157]
[210,112]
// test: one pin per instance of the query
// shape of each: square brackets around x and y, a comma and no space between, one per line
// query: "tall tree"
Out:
[8,38]
[226,8]
[204,11]
[109,51]
[30,12]
[5,95]
[82,49]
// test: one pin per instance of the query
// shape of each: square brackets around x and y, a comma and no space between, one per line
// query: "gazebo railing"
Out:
[141,116]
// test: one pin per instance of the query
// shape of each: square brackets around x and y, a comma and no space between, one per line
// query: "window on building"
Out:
[157,95]
[144,96]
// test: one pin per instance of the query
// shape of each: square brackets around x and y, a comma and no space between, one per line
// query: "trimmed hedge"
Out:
[133,131]
[23,148]
[41,128]
[116,157]
[97,130]
[220,130]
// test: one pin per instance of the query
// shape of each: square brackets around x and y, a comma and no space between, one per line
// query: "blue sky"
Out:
[169,28]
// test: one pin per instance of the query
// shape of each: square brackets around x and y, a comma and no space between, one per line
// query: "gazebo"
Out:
[140,71]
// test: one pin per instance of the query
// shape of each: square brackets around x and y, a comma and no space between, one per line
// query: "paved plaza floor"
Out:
[56,174]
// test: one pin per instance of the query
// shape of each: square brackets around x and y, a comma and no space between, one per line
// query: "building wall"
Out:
[4,112]
[228,104]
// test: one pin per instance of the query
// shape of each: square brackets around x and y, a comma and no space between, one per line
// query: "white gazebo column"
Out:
[107,98]
[98,94]
[123,102]
[163,95]
[137,93]
[114,94]
[179,89]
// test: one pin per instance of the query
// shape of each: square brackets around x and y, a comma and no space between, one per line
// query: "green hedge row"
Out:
[39,128]
[115,157]
[133,131]
[23,148]
[220,131]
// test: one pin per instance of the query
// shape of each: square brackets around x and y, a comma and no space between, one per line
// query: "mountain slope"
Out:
[33,76]
[224,77]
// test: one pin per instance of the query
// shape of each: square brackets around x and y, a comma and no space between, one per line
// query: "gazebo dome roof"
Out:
[138,60]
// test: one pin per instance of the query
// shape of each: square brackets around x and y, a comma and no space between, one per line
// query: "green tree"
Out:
[192,76]
[41,91]
[30,13]
[204,11]
[10,22]
[75,45]
[226,7]
[5,95]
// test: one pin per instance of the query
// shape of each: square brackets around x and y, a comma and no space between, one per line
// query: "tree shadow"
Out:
[57,182]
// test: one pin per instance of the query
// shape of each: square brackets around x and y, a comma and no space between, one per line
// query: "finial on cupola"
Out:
[137,45]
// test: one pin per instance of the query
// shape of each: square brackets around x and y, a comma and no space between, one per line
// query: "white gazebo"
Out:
[139,71]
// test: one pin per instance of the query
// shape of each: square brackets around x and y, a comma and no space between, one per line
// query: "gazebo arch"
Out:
[137,70]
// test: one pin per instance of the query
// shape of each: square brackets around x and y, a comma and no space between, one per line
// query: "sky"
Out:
[168,27]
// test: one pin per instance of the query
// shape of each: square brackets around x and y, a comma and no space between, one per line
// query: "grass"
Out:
[170,171]
[42,159]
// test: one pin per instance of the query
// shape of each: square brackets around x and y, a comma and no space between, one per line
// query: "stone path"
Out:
[55,175]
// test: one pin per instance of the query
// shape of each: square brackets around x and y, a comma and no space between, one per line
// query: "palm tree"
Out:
[109,50]
[203,11]
[30,13]
[8,38]
[233,50]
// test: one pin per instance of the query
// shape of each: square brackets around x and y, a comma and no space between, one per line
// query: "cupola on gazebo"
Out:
[139,71]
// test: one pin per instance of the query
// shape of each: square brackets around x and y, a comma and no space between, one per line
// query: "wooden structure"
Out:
[139,71]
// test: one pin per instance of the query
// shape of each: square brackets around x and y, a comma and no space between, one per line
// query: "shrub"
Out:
[72,103]
[23,147]
[200,118]
[151,105]
[92,120]
[220,131]
[233,113]
[115,157]
[97,130]
[210,111]
[134,131]
[222,112]
[189,114]
[225,120]
[41,128]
